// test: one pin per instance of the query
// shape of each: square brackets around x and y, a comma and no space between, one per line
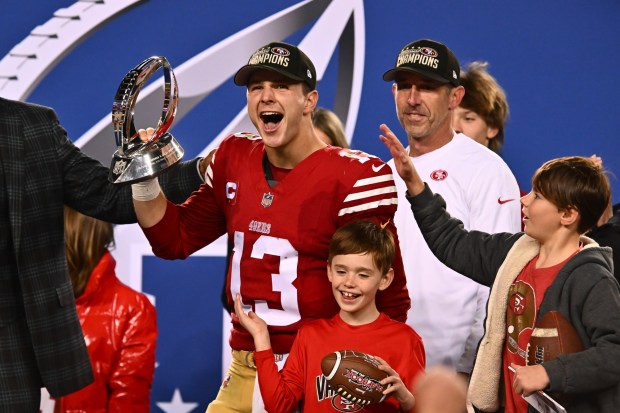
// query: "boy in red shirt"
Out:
[551,266]
[358,266]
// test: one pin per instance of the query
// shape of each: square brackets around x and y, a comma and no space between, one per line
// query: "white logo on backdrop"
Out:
[337,24]
[29,61]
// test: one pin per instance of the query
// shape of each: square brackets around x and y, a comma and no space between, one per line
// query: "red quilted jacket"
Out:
[120,329]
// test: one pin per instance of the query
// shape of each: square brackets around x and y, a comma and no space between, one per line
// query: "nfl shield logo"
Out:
[119,167]
[267,200]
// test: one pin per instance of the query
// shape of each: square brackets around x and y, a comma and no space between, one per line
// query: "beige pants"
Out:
[239,392]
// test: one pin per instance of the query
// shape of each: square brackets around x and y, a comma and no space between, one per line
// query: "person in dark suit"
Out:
[41,170]
[607,234]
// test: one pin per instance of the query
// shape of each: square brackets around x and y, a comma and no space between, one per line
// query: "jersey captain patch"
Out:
[231,192]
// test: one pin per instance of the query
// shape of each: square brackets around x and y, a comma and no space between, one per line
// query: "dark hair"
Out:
[364,237]
[328,122]
[86,240]
[575,182]
[484,96]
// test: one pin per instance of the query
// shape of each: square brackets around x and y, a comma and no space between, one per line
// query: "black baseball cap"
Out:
[284,58]
[428,58]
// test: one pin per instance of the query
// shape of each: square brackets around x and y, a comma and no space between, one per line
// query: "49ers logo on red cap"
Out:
[439,175]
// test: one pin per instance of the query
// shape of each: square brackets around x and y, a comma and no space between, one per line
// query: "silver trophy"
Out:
[135,160]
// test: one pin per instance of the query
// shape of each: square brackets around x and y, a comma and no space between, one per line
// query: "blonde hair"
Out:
[86,240]
[484,96]
[328,122]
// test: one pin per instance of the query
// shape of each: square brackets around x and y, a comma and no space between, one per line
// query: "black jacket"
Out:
[40,171]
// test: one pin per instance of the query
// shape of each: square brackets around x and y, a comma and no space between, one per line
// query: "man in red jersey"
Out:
[279,196]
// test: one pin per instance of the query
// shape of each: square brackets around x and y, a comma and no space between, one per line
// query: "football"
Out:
[355,376]
[552,335]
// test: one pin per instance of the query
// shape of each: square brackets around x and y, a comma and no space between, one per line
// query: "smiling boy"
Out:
[549,267]
[279,196]
[358,267]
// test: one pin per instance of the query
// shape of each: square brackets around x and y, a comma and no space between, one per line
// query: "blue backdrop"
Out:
[558,62]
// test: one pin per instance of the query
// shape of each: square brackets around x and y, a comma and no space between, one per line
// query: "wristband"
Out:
[146,190]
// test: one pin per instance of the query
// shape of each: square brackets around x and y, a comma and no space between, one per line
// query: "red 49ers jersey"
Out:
[281,234]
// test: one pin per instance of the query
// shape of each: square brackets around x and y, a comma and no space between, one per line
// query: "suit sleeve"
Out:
[85,180]
[132,374]
[187,227]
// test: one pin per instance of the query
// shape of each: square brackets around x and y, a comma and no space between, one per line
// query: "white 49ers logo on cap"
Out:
[439,175]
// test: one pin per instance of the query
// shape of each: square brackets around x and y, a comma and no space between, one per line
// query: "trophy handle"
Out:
[135,160]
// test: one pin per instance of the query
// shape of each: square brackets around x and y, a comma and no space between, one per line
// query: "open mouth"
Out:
[347,295]
[271,119]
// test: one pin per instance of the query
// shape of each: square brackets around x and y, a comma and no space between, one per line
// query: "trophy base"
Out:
[146,161]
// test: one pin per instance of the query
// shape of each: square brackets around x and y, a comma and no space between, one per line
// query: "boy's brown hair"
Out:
[575,182]
[364,237]
[485,97]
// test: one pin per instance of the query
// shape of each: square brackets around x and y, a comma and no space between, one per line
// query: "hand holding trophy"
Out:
[135,160]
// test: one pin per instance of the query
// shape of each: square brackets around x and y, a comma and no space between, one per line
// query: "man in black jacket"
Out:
[41,170]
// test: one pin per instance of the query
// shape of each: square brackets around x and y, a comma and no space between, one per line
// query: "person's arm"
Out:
[176,231]
[529,379]
[131,376]
[86,187]
[596,367]
[255,325]
[397,388]
[474,254]
[148,199]
[148,202]
[279,394]
[403,163]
